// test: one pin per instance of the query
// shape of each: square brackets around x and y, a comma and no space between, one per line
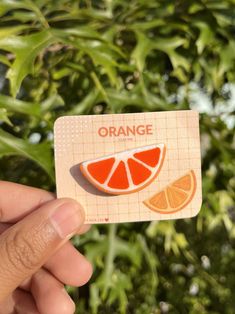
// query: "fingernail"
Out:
[67,219]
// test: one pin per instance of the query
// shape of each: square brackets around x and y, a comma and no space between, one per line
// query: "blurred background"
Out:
[72,57]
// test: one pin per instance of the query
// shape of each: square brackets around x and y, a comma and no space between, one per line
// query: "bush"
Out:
[93,57]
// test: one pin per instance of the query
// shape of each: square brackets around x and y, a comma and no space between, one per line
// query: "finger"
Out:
[7,307]
[26,246]
[50,295]
[67,264]
[4,227]
[19,302]
[70,266]
[24,303]
[84,229]
[17,201]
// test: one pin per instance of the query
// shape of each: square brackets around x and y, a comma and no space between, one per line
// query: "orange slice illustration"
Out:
[125,172]
[175,196]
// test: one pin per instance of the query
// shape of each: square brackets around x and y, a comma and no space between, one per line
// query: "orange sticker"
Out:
[125,172]
[175,196]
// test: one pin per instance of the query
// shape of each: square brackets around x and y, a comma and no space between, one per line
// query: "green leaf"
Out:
[25,48]
[205,37]
[78,14]
[52,102]
[128,251]
[32,6]
[4,60]
[178,60]
[99,86]
[227,57]
[4,117]
[195,7]
[7,5]
[224,17]
[143,26]
[82,31]
[21,16]
[94,298]
[142,49]
[118,100]
[121,285]
[15,105]
[181,240]
[85,106]
[145,46]
[40,153]
[168,44]
[150,259]
[101,53]
[8,31]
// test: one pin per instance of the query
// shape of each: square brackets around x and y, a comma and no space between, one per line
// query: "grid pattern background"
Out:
[77,140]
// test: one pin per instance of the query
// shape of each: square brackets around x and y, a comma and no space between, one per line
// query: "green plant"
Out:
[93,57]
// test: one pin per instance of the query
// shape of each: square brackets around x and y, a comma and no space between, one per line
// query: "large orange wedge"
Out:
[125,172]
[175,196]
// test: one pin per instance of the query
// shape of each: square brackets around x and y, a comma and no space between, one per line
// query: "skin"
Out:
[35,285]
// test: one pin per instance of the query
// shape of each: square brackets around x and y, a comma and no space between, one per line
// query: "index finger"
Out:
[17,200]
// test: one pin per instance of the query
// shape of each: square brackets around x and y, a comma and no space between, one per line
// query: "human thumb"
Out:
[26,246]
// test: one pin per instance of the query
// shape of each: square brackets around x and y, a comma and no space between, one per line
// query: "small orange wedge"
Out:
[175,196]
[125,172]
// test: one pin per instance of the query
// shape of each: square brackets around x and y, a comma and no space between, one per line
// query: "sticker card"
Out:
[130,167]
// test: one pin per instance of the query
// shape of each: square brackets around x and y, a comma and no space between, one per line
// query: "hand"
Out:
[36,259]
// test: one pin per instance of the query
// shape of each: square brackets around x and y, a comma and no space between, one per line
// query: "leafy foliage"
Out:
[93,57]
